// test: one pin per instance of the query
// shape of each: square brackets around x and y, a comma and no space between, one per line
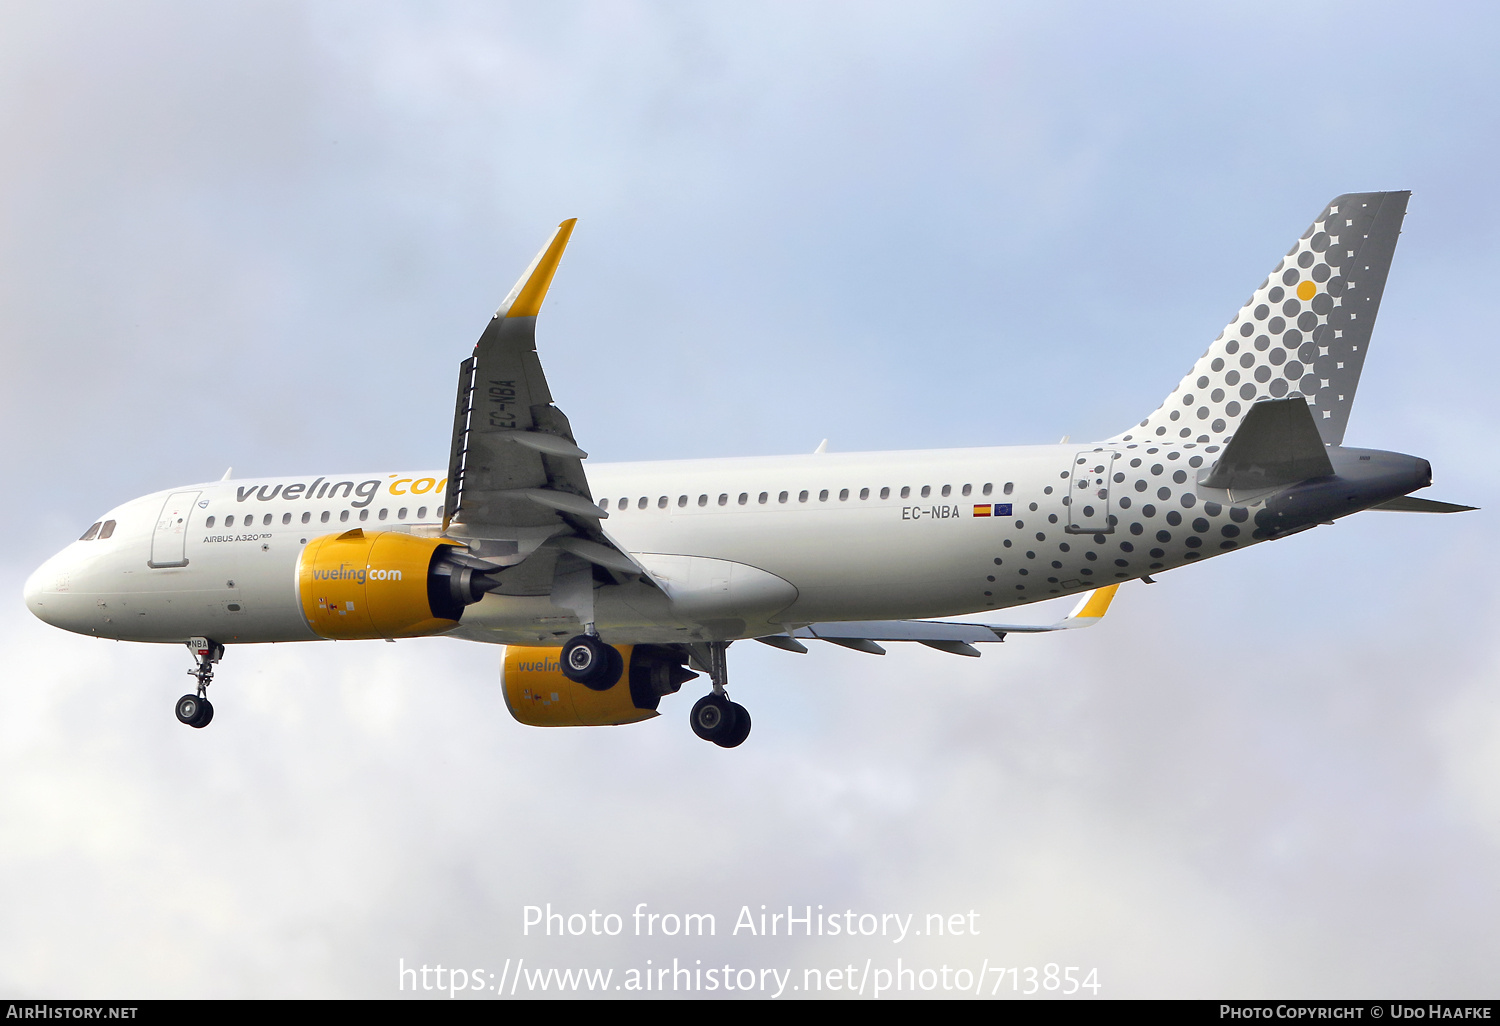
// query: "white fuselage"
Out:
[738,547]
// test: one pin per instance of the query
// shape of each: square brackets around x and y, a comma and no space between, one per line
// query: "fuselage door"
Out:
[1089,505]
[169,540]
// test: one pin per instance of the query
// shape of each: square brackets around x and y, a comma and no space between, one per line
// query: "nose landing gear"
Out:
[197,710]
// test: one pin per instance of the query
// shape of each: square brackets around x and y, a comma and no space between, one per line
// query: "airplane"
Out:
[610,588]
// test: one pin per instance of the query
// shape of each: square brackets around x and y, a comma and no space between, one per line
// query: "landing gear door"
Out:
[169,540]
[1089,492]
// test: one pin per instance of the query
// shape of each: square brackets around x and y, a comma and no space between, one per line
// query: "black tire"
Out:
[588,661]
[713,717]
[741,729]
[189,709]
[616,665]
[207,715]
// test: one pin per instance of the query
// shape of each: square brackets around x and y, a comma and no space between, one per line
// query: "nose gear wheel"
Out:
[195,711]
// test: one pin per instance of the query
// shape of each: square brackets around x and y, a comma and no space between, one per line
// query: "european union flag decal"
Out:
[1002,509]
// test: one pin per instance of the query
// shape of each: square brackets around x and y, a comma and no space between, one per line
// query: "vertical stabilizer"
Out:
[1303,333]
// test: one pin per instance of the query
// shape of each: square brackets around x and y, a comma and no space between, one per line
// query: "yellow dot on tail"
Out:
[1306,291]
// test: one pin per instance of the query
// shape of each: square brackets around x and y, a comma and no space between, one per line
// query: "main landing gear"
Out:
[588,661]
[196,710]
[714,717]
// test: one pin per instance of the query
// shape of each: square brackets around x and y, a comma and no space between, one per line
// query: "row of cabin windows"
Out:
[248,520]
[765,497]
[99,531]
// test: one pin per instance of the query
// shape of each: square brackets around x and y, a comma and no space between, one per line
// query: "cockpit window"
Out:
[107,530]
[89,534]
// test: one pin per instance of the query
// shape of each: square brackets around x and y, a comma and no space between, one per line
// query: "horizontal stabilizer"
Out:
[1276,444]
[1412,504]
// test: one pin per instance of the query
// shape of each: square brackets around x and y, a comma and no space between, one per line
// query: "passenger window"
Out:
[364,514]
[306,518]
[439,513]
[802,496]
[864,493]
[763,497]
[661,503]
[988,487]
[209,522]
[781,497]
[229,520]
[266,522]
[641,502]
[91,532]
[107,530]
[744,498]
[723,499]
[681,501]
[422,513]
[703,500]
[926,491]
[624,502]
[343,516]
[823,495]
[843,495]
[604,504]
[968,489]
[324,517]
[947,490]
[400,515]
[1010,486]
[383,514]
[885,493]
[905,491]
[286,518]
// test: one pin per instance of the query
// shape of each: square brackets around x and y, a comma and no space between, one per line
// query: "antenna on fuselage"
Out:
[822,447]
[227,472]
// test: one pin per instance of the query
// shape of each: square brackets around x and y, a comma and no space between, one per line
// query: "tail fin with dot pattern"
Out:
[1304,332]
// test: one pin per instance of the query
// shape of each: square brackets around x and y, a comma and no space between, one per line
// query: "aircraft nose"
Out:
[35,597]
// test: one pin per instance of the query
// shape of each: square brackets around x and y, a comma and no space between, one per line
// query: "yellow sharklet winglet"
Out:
[525,299]
[1095,604]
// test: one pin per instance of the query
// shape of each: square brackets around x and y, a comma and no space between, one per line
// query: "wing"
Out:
[515,473]
[957,638]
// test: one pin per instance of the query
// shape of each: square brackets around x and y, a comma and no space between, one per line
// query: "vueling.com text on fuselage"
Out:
[321,488]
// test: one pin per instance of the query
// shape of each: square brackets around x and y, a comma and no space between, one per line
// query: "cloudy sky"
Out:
[263,235]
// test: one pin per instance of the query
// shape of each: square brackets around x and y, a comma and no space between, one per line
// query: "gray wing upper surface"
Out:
[515,478]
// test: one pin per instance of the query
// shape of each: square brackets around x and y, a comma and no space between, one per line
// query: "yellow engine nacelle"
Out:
[537,693]
[377,585]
